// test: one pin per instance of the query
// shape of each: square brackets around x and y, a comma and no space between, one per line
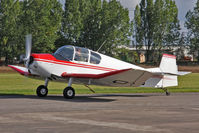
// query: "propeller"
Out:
[27,58]
[28,46]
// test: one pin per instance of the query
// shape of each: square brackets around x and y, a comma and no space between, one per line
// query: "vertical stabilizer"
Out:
[168,76]
[168,64]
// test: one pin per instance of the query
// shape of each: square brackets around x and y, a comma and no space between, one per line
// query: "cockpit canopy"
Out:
[72,53]
[64,53]
[81,54]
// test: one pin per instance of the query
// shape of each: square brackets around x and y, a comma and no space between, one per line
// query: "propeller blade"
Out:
[28,46]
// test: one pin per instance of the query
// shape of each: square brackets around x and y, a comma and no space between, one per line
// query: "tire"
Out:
[168,93]
[42,91]
[69,93]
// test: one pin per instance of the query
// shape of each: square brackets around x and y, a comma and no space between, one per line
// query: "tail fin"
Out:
[168,64]
[169,71]
[169,67]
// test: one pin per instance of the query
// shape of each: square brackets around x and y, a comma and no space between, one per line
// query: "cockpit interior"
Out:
[74,53]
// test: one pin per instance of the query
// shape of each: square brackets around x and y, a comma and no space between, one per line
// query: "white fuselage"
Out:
[45,67]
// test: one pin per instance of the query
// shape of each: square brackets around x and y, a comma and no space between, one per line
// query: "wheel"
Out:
[42,91]
[168,93]
[69,93]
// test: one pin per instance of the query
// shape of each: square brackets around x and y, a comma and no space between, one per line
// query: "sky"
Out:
[183,7]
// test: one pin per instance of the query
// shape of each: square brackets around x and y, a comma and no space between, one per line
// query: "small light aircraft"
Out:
[80,65]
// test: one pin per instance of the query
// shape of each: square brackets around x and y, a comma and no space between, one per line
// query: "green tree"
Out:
[172,34]
[192,19]
[72,21]
[92,23]
[166,25]
[156,25]
[42,19]
[137,29]
[159,28]
[90,36]
[182,45]
[115,27]
[146,27]
[9,29]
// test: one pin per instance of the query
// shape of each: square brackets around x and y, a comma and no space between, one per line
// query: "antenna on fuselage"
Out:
[101,46]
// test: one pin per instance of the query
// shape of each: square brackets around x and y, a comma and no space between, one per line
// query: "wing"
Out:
[21,70]
[124,77]
[25,72]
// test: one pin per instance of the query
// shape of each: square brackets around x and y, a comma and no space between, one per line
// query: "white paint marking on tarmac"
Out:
[64,120]
[4,120]
[127,126]
[195,109]
[9,119]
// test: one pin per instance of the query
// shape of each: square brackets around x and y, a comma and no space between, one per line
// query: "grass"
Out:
[11,83]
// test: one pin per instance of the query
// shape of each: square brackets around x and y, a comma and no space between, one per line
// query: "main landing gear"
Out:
[42,90]
[166,91]
[68,93]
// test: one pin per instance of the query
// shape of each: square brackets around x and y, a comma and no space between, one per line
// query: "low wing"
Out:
[21,70]
[130,77]
[124,77]
[24,71]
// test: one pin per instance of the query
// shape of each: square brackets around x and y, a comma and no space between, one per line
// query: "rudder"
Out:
[168,64]
[165,75]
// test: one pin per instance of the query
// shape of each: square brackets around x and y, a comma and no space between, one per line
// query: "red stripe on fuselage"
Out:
[51,59]
[94,76]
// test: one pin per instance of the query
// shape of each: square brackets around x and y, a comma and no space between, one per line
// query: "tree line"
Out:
[156,26]
[92,23]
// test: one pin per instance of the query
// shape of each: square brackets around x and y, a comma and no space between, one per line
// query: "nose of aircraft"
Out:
[31,59]
[43,57]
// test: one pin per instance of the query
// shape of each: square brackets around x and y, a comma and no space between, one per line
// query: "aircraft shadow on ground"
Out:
[78,98]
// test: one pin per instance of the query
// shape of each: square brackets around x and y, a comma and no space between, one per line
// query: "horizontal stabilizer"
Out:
[181,73]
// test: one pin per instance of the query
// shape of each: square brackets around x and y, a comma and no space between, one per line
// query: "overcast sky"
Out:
[183,7]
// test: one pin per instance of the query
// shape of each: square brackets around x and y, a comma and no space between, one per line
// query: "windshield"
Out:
[95,58]
[64,53]
[81,54]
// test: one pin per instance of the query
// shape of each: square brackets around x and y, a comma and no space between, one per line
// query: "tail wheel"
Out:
[69,93]
[168,93]
[42,91]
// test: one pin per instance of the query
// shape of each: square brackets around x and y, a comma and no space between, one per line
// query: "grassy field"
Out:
[13,83]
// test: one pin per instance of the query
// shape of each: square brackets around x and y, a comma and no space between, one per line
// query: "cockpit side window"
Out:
[81,54]
[64,53]
[95,58]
